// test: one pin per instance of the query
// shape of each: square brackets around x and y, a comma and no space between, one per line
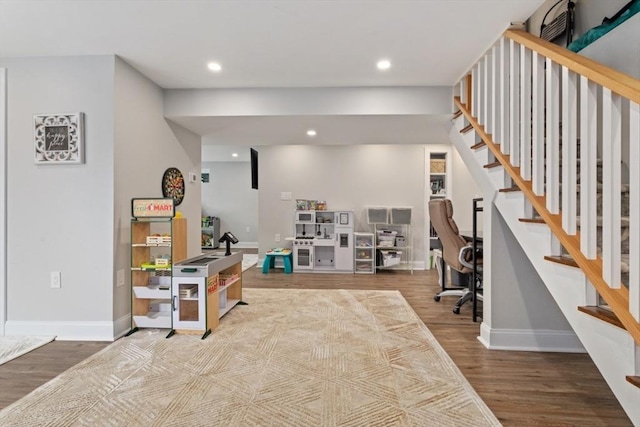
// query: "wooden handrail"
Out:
[618,82]
[617,299]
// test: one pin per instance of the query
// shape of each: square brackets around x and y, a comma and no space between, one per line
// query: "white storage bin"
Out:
[154,319]
[390,258]
[152,291]
[386,238]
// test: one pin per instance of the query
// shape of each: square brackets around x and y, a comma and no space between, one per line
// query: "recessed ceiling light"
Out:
[384,64]
[234,155]
[311,132]
[214,66]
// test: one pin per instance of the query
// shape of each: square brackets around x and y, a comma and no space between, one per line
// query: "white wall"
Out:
[525,302]
[180,103]
[60,217]
[229,196]
[464,189]
[145,146]
[346,177]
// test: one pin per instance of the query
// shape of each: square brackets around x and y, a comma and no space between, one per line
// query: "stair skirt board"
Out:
[566,285]
[530,340]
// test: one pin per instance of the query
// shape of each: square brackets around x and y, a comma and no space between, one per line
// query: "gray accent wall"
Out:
[60,217]
[75,219]
[229,196]
[146,144]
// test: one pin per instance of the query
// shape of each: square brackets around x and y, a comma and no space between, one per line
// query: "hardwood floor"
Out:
[521,388]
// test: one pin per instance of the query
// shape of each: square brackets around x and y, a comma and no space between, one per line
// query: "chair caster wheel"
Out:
[456,310]
[436,298]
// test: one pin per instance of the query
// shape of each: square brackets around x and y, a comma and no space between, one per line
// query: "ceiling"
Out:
[270,43]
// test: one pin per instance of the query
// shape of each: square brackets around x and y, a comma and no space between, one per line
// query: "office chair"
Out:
[456,252]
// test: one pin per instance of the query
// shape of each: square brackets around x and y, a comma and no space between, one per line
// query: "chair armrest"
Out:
[465,256]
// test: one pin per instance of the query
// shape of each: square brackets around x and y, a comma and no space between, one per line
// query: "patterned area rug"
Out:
[249,260]
[289,358]
[15,346]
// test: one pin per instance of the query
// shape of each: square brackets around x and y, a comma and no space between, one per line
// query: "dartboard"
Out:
[173,185]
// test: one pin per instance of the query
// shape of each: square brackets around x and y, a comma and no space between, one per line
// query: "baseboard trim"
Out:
[243,245]
[70,331]
[530,340]
[122,325]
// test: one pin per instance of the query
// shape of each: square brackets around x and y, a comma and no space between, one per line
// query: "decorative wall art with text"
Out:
[59,138]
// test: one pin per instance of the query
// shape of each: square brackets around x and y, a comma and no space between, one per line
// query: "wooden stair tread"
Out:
[478,145]
[634,379]
[457,114]
[492,165]
[532,220]
[467,128]
[509,189]
[602,314]
[562,259]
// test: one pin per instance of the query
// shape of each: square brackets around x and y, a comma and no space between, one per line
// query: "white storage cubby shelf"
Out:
[365,253]
[438,186]
[392,234]
[155,244]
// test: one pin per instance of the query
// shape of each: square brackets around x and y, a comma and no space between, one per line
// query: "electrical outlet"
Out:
[56,280]
[285,195]
[277,237]
[120,279]
[248,229]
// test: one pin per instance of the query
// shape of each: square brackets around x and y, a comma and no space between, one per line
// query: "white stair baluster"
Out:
[537,98]
[525,114]
[474,88]
[495,93]
[611,186]
[588,168]
[487,93]
[479,89]
[503,137]
[553,143]
[514,100]
[569,152]
[634,214]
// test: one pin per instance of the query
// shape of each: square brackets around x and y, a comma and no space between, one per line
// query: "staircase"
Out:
[560,189]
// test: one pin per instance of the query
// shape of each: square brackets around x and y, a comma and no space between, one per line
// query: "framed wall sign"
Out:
[58,138]
[152,208]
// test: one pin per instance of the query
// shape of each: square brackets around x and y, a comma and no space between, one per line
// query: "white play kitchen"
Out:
[323,241]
